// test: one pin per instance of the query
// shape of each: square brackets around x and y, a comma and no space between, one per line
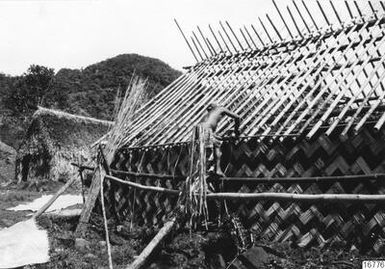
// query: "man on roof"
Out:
[213,140]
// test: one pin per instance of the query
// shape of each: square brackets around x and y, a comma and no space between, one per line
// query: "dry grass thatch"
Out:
[53,140]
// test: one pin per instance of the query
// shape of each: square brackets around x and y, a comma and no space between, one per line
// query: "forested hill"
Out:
[89,92]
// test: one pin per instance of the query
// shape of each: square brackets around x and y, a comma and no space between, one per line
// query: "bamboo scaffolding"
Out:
[259,75]
[224,41]
[244,37]
[335,102]
[196,107]
[183,88]
[313,102]
[359,109]
[339,96]
[271,93]
[294,83]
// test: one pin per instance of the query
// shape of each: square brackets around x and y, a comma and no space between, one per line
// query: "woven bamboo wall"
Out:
[147,208]
[304,223]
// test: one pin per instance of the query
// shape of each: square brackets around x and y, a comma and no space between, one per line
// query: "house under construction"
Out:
[309,166]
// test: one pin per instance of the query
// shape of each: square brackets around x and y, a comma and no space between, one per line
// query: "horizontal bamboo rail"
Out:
[368,198]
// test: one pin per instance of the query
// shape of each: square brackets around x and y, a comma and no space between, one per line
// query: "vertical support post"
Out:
[323,13]
[200,45]
[204,40]
[251,38]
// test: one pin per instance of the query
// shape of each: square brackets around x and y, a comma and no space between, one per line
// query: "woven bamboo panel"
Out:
[362,225]
[146,208]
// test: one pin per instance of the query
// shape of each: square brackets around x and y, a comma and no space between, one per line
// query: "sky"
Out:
[77,33]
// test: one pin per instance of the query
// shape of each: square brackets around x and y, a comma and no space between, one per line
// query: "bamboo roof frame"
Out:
[319,79]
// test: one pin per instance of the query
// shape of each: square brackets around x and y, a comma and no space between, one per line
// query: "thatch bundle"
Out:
[54,140]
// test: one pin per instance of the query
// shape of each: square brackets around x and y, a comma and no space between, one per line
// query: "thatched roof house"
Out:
[54,140]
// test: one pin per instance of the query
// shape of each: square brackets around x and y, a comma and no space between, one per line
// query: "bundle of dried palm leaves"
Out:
[125,116]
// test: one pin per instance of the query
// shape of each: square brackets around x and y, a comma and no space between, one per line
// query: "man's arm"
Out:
[236,118]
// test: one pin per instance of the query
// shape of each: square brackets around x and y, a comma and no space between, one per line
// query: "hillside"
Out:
[89,92]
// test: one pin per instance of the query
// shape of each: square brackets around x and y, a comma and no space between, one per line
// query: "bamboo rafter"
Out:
[320,71]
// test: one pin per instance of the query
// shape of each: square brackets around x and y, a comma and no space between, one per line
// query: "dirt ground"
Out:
[204,249]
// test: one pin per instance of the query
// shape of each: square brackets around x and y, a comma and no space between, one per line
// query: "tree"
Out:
[30,89]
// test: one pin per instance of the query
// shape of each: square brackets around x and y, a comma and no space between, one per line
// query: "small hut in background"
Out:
[53,140]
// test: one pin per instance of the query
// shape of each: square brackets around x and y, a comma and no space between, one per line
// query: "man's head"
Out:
[212,106]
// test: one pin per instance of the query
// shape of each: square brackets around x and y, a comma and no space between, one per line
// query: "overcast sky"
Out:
[77,33]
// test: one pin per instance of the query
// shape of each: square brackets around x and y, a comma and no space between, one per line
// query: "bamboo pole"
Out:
[197,49]
[204,39]
[216,39]
[228,37]
[142,259]
[235,36]
[372,198]
[311,16]
[275,29]
[54,198]
[200,45]
[283,20]
[224,41]
[349,10]
[301,16]
[358,9]
[244,37]
[185,39]
[335,12]
[295,23]
[251,38]
[323,13]
[259,37]
[266,32]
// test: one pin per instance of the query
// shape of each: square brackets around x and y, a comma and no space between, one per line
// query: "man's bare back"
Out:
[214,116]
